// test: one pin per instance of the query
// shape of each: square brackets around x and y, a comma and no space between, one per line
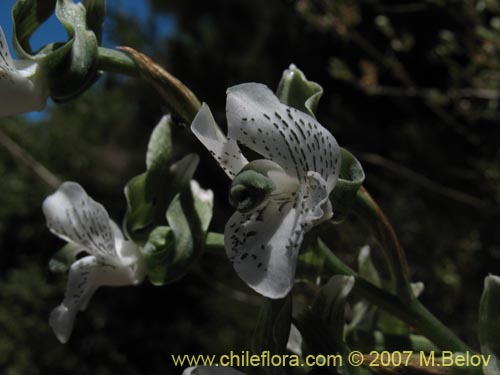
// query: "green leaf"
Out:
[157,252]
[27,16]
[139,216]
[163,182]
[489,324]
[322,326]
[390,325]
[80,68]
[366,268]
[296,91]
[393,326]
[96,13]
[310,263]
[170,250]
[367,317]
[150,194]
[188,216]
[160,145]
[364,314]
[350,180]
[273,330]
[203,205]
[69,67]
[64,258]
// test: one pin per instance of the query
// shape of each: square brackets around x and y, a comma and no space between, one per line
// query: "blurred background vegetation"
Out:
[411,88]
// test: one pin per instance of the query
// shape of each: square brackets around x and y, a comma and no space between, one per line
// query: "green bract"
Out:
[273,330]
[322,326]
[161,243]
[150,193]
[167,212]
[70,67]
[296,91]
[189,216]
[350,180]
[171,250]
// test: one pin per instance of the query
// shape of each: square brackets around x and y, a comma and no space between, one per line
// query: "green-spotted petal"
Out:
[85,277]
[293,139]
[263,244]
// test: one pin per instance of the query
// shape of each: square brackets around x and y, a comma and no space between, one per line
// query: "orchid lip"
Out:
[249,190]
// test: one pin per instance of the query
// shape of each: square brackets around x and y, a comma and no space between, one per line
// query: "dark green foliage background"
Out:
[418,106]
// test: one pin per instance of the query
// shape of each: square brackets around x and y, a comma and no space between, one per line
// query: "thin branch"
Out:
[413,312]
[23,157]
[365,207]
[390,63]
[428,93]
[426,182]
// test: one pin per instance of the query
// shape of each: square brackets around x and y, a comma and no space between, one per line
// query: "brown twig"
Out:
[367,209]
[176,95]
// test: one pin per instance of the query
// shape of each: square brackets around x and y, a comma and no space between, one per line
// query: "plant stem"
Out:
[24,157]
[183,104]
[369,211]
[413,312]
[113,61]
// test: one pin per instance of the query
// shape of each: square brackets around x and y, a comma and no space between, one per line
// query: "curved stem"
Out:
[182,102]
[413,313]
[113,61]
[24,157]
[368,210]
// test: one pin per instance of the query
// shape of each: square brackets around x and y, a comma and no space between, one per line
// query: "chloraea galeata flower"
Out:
[278,198]
[111,261]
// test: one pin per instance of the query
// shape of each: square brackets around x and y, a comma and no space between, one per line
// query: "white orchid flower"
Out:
[21,88]
[112,261]
[302,162]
